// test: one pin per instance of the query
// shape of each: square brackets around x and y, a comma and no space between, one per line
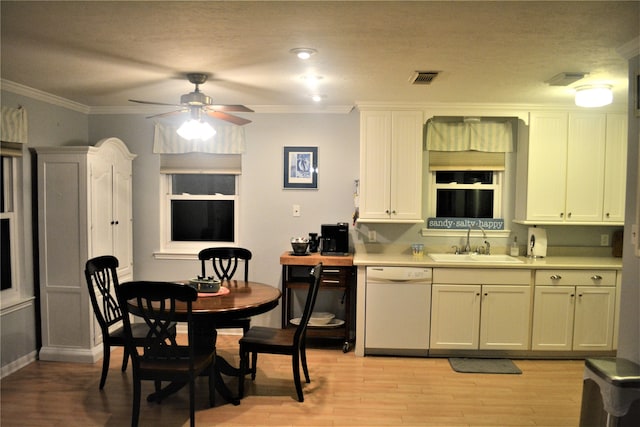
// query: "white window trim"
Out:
[189,250]
[498,205]
[13,295]
[496,186]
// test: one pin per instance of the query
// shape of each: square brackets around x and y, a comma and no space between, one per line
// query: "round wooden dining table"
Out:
[243,299]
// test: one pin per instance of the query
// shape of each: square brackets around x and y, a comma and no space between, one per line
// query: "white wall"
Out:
[266,221]
[629,336]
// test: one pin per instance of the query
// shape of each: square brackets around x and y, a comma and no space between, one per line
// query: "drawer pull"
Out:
[556,277]
[327,271]
[596,277]
[330,281]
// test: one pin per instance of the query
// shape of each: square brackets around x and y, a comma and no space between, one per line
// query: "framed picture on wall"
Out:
[300,167]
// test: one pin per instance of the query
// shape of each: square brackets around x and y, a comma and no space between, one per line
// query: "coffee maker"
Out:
[335,239]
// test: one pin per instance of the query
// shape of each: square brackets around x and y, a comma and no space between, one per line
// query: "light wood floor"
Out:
[344,391]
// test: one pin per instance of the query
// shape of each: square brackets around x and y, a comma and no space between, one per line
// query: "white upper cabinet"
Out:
[572,169]
[391,166]
[615,169]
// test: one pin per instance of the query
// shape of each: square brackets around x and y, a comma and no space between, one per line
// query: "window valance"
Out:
[13,131]
[229,139]
[493,137]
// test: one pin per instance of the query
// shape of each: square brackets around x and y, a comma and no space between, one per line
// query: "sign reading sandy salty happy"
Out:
[464,223]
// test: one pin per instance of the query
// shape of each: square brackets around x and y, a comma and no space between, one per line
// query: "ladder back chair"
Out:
[159,357]
[225,261]
[287,341]
[102,282]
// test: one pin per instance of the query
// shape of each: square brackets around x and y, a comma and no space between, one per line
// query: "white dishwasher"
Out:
[397,311]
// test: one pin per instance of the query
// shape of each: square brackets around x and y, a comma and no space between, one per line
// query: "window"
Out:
[199,210]
[8,228]
[466,194]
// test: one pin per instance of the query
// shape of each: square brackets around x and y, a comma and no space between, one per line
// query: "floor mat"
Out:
[484,366]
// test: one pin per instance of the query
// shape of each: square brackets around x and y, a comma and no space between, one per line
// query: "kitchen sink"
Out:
[475,258]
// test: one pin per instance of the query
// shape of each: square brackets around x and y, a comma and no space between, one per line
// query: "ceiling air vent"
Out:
[423,77]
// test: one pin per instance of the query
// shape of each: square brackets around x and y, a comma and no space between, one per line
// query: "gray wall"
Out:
[48,125]
[266,220]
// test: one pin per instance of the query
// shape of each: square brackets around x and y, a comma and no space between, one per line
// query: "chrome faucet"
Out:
[467,246]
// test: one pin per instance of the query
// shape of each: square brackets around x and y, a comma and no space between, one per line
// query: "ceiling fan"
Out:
[196,103]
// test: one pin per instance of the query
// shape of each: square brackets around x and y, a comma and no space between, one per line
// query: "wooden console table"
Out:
[338,274]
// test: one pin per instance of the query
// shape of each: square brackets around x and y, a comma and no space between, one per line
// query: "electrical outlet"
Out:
[604,240]
[296,210]
[372,235]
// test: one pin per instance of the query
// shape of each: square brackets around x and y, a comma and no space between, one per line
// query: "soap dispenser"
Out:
[515,250]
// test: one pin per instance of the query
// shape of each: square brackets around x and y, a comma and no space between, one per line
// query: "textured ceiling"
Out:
[100,54]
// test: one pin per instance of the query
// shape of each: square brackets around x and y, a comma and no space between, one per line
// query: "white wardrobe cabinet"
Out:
[84,211]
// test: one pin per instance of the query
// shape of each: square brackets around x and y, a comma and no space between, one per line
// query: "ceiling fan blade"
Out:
[155,103]
[170,113]
[236,108]
[228,118]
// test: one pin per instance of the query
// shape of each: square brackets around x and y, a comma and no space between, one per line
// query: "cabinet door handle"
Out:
[569,215]
[478,294]
[555,277]
[561,214]
[573,295]
[579,295]
[393,212]
[486,294]
[387,211]
[596,277]
[607,214]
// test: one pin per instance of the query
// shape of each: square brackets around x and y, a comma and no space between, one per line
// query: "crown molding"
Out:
[630,49]
[39,95]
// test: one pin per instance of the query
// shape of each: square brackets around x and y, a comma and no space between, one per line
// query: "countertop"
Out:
[554,262]
[287,258]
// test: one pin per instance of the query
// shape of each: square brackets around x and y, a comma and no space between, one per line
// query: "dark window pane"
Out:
[464,177]
[465,203]
[204,184]
[202,220]
[5,255]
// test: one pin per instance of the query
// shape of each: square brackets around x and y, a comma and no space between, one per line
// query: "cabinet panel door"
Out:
[547,166]
[585,170]
[406,165]
[101,202]
[455,316]
[123,216]
[594,316]
[375,158]
[615,168]
[553,308]
[505,317]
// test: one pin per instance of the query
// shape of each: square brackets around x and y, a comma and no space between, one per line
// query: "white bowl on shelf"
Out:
[321,318]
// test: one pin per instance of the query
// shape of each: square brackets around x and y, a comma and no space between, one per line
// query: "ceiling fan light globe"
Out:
[196,129]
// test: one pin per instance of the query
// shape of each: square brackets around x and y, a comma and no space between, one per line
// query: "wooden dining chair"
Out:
[288,341]
[102,282]
[225,261]
[159,357]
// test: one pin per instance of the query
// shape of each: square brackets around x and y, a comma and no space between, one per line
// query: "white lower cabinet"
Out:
[487,309]
[574,310]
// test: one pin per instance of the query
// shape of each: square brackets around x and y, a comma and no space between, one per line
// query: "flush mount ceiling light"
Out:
[317,98]
[303,52]
[591,96]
